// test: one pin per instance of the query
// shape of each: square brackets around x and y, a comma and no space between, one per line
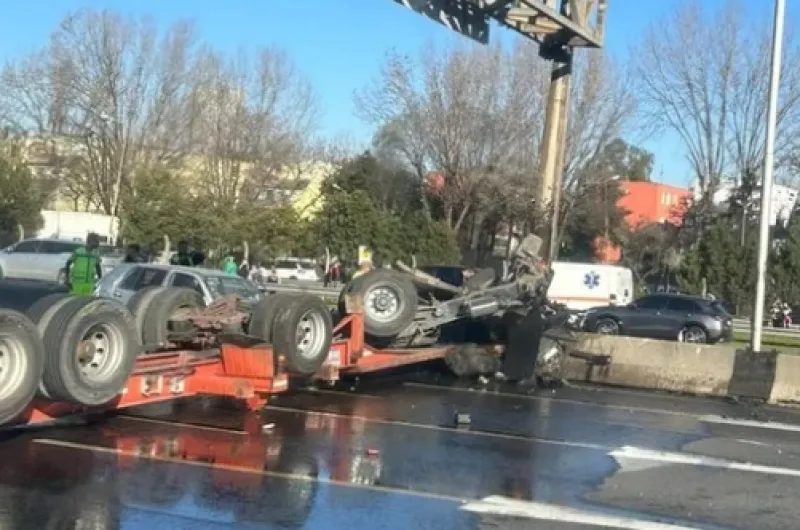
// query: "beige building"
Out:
[299,185]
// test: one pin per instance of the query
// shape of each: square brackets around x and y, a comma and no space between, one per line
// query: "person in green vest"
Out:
[183,257]
[229,266]
[83,267]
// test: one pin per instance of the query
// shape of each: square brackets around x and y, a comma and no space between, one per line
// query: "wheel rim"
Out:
[99,353]
[694,335]
[310,334]
[13,366]
[383,303]
[606,327]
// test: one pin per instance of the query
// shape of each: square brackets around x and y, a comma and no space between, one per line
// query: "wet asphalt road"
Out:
[389,456]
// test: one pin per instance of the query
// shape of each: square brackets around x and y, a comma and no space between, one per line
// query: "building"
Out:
[653,202]
[784,199]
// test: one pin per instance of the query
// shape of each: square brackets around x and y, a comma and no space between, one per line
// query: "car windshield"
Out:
[285,264]
[227,285]
[307,266]
[718,309]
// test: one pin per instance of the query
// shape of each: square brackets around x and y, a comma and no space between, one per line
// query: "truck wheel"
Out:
[262,318]
[302,334]
[159,323]
[44,308]
[21,363]
[350,287]
[390,302]
[91,346]
[139,304]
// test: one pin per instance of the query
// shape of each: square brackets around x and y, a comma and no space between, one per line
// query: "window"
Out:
[683,305]
[187,280]
[58,247]
[652,302]
[27,246]
[142,277]
[152,277]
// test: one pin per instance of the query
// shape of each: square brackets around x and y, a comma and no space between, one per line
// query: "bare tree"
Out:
[114,84]
[747,111]
[252,119]
[463,112]
[687,71]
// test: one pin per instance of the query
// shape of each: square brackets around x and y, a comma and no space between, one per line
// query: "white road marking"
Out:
[769,425]
[502,506]
[634,458]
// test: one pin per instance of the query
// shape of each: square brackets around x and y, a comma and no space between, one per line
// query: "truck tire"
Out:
[44,308]
[302,333]
[390,302]
[157,326]
[262,318]
[350,287]
[91,346]
[139,304]
[21,363]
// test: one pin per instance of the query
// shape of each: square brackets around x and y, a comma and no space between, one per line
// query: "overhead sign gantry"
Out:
[558,27]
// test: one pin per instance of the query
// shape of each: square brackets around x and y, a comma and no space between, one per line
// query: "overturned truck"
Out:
[63,355]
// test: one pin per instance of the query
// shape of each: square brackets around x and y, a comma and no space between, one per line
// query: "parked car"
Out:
[666,317]
[37,259]
[128,278]
[295,269]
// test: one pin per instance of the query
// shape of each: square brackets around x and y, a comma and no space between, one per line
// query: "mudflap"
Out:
[522,348]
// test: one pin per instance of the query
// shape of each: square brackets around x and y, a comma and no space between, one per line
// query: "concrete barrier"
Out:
[718,370]
[786,385]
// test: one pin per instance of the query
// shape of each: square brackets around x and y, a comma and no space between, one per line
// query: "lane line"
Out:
[439,428]
[241,469]
[666,457]
[179,424]
[766,425]
[505,507]
[555,400]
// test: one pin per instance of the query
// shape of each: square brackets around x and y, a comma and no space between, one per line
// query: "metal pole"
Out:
[551,152]
[766,183]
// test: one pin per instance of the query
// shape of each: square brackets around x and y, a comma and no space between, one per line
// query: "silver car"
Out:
[127,278]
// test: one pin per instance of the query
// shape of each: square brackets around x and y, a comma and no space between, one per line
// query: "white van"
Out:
[581,286]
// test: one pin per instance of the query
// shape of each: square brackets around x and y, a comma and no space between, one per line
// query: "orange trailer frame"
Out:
[247,373]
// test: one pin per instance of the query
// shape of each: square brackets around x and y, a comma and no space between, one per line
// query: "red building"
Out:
[651,202]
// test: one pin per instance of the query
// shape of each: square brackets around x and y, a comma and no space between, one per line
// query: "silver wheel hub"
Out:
[383,303]
[310,334]
[13,366]
[99,352]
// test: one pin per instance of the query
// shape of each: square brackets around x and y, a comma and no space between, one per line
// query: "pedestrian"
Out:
[83,268]
[182,257]
[133,254]
[364,267]
[229,266]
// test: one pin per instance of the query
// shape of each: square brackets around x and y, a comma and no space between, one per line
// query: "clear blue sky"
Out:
[339,44]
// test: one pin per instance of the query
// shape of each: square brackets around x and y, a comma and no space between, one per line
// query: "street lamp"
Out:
[766,184]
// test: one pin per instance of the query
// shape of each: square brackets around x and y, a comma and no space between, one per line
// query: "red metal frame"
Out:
[246,373]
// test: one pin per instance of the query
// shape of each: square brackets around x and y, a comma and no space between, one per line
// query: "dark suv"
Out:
[665,317]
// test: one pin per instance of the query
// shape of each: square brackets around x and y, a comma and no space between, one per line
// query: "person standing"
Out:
[133,254]
[229,266]
[182,257]
[83,268]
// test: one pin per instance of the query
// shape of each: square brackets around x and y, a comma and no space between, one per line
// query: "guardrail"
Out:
[307,288]
[743,326]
